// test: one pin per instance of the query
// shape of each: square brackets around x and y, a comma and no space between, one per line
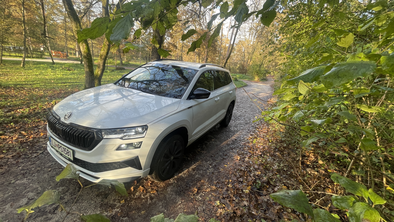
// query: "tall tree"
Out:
[84,45]
[44,34]
[24,34]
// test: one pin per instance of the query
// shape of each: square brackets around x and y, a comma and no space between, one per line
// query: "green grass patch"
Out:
[240,83]
[27,93]
[237,76]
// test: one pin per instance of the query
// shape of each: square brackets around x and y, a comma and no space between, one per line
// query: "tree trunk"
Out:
[160,40]
[84,45]
[24,34]
[2,36]
[231,45]
[98,75]
[45,32]
[65,36]
[120,57]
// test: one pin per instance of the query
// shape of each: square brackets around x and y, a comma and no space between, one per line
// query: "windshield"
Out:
[159,79]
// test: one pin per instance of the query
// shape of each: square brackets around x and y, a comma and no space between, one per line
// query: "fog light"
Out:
[130,146]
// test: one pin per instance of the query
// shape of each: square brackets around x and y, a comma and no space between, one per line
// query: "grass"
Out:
[239,83]
[242,76]
[27,93]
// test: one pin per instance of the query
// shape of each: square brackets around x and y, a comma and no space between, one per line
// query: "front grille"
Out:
[78,136]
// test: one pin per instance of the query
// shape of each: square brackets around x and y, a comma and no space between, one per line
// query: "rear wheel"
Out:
[226,121]
[168,158]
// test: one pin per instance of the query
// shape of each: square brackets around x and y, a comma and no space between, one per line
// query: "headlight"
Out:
[125,133]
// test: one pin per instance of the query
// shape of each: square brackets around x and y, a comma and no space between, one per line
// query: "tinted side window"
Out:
[221,78]
[226,77]
[205,81]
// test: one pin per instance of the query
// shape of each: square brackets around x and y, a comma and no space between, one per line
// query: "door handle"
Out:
[231,92]
[217,99]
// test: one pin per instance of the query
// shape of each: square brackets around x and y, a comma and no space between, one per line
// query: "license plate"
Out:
[66,152]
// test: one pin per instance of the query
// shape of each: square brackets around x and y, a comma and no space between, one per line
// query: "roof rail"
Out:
[164,59]
[211,64]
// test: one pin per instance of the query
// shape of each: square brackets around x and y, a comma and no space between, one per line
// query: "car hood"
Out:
[111,106]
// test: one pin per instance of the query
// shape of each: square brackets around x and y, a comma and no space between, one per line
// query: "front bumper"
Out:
[124,170]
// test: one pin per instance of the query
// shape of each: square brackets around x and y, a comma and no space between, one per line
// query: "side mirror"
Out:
[200,93]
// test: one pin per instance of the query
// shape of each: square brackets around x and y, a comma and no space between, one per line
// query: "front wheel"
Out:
[226,121]
[168,158]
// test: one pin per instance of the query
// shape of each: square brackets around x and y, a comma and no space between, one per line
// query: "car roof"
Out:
[193,65]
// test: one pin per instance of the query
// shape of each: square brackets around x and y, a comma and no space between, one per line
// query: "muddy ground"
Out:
[24,179]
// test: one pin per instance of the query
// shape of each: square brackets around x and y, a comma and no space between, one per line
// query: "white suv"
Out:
[141,124]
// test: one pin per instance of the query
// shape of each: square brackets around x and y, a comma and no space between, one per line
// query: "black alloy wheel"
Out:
[168,158]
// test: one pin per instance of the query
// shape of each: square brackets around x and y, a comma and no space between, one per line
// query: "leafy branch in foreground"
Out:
[52,196]
[357,210]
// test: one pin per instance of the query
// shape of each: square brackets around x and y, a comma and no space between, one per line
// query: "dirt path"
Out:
[26,178]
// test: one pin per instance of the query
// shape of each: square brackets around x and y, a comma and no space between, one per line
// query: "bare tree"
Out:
[84,45]
[24,34]
[45,32]
[231,44]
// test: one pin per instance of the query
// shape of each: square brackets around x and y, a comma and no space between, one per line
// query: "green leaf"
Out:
[122,29]
[163,53]
[366,25]
[321,215]
[196,44]
[211,21]
[186,218]
[288,97]
[158,218]
[215,34]
[119,187]
[173,2]
[97,29]
[361,211]
[137,33]
[350,185]
[214,220]
[348,115]
[223,9]
[388,64]
[345,72]
[48,197]
[268,17]
[376,199]
[343,202]
[111,27]
[341,140]
[294,199]
[309,75]
[161,28]
[346,41]
[334,101]
[369,109]
[268,4]
[358,57]
[242,10]
[312,41]
[188,34]
[318,121]
[68,172]
[302,87]
[95,218]
[319,88]
[206,3]
[368,144]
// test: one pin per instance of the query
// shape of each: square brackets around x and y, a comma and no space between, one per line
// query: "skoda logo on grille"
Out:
[68,115]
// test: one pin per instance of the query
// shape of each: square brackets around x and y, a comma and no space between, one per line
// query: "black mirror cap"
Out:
[200,93]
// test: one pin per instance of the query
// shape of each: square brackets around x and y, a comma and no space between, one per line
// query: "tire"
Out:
[168,158]
[226,121]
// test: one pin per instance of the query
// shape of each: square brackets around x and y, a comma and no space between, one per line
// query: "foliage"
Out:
[342,103]
[258,72]
[47,198]
[358,211]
